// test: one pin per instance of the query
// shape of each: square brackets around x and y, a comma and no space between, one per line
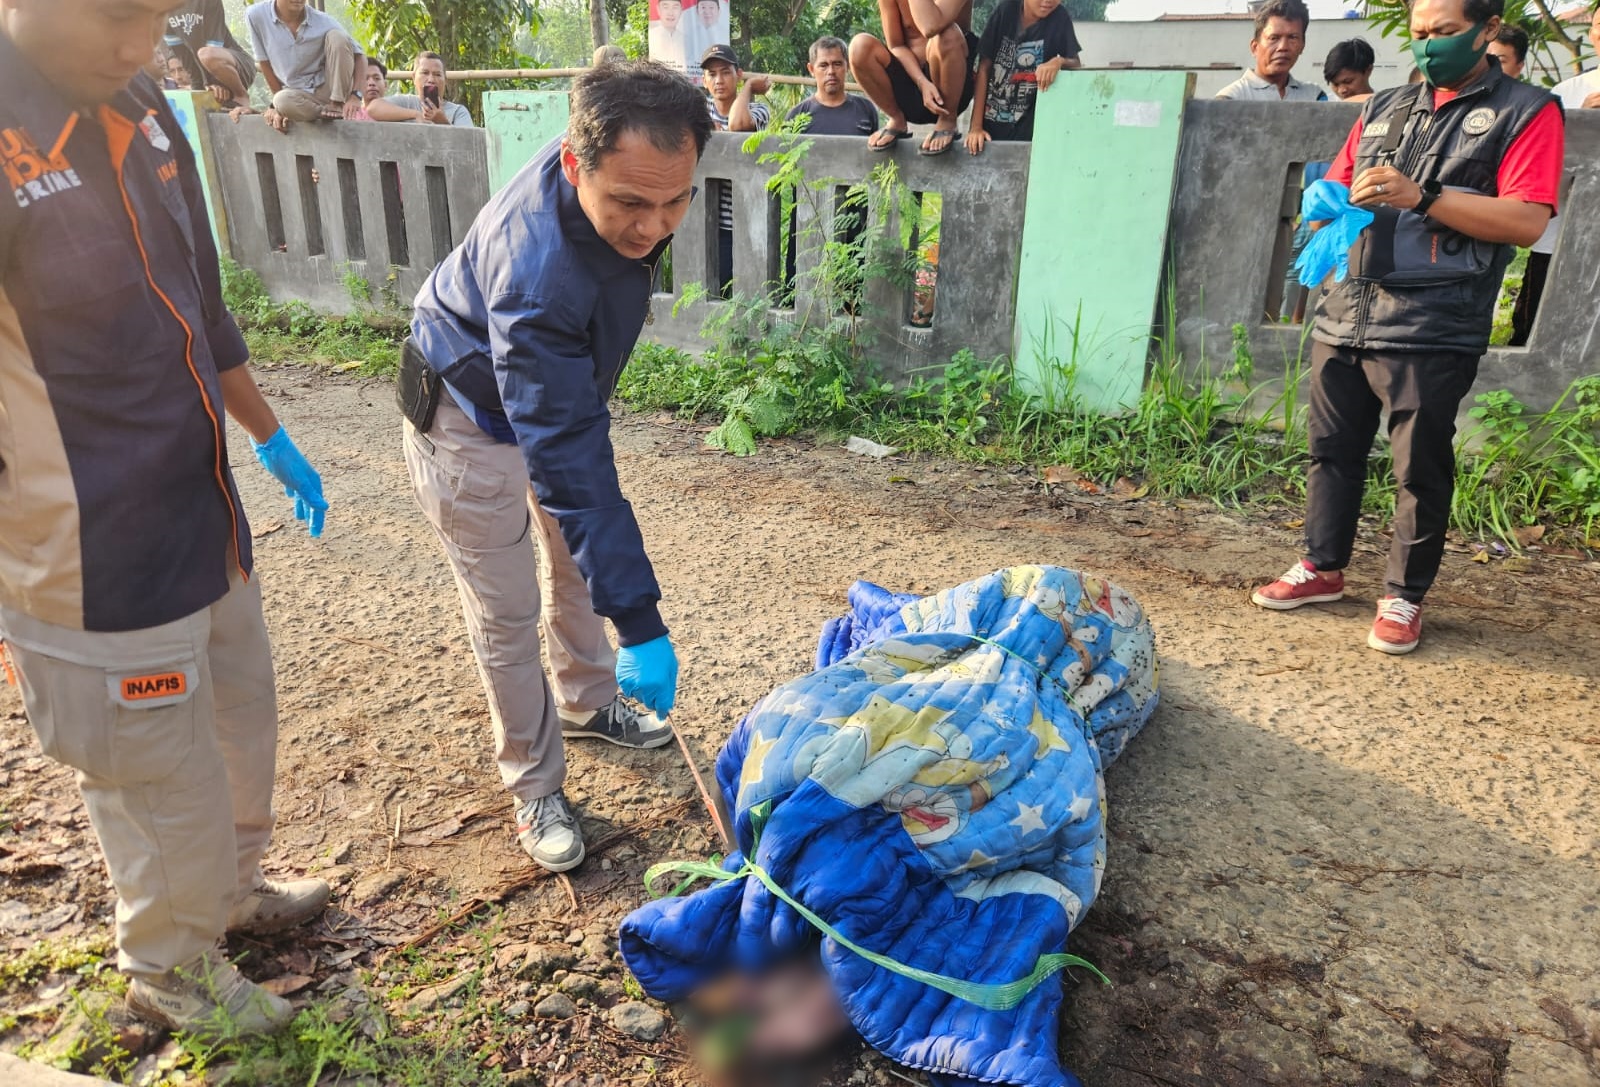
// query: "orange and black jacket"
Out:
[117,507]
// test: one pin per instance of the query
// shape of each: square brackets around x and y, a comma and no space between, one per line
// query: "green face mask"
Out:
[1443,61]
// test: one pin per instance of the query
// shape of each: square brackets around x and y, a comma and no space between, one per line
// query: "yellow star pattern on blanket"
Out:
[887,723]
[1050,739]
[755,763]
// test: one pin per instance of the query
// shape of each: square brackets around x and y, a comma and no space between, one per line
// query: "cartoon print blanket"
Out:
[934,791]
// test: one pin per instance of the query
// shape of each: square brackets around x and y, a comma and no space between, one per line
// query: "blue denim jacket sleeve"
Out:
[545,368]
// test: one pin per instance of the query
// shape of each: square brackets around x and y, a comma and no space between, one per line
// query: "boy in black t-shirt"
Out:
[1024,45]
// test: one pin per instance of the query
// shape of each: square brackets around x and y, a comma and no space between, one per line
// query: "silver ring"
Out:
[1379,188]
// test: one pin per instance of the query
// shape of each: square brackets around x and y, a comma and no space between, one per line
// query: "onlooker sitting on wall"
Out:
[311,64]
[1579,92]
[730,102]
[608,54]
[198,32]
[428,104]
[1348,70]
[1510,48]
[832,111]
[1024,45]
[922,72]
[1279,39]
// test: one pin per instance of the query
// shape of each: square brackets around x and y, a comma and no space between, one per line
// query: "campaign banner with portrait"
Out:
[682,30]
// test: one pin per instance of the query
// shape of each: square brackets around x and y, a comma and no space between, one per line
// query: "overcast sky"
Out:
[1149,9]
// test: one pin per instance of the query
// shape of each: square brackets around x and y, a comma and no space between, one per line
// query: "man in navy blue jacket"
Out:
[529,323]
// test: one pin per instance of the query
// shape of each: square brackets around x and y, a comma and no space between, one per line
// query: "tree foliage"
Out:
[467,33]
[1557,47]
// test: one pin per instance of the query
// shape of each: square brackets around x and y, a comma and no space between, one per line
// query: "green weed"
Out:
[366,344]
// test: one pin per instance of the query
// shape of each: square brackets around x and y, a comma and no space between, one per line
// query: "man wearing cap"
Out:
[128,605]
[730,99]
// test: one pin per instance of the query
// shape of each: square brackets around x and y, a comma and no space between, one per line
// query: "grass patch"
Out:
[365,343]
[1193,433]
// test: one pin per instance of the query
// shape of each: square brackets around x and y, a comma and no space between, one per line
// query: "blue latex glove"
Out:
[1328,202]
[649,674]
[301,482]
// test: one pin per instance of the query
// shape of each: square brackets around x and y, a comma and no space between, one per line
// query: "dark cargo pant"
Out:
[1421,391]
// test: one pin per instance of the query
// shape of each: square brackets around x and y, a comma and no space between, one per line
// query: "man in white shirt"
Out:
[1279,39]
[1579,92]
[428,104]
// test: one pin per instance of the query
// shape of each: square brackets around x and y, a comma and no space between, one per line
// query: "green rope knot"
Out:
[998,996]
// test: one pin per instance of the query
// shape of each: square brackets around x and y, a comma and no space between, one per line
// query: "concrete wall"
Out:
[980,238]
[1201,45]
[305,209]
[1238,186]
[377,199]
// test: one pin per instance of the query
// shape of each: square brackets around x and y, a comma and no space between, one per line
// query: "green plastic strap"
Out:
[993,997]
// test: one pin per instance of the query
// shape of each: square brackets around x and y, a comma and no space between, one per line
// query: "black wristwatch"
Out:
[1431,191]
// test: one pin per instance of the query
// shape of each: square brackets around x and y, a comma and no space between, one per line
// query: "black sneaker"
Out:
[622,723]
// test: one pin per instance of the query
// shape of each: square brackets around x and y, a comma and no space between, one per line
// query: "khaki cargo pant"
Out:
[474,491]
[173,731]
[339,54]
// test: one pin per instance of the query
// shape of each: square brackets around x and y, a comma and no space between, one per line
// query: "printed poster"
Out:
[682,30]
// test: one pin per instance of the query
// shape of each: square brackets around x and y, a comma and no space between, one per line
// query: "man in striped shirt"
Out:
[731,102]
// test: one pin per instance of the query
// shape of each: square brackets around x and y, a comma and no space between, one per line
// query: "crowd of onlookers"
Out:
[313,68]
[926,68]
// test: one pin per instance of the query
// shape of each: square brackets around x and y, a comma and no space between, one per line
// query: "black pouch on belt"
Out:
[418,387]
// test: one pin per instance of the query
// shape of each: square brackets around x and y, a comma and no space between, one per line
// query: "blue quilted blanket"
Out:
[934,792]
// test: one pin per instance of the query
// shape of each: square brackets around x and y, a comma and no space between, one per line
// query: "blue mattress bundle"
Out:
[933,794]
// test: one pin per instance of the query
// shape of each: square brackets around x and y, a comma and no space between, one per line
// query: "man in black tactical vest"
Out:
[1456,170]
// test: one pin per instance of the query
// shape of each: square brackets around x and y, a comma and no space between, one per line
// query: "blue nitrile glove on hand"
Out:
[289,466]
[1328,202]
[648,673]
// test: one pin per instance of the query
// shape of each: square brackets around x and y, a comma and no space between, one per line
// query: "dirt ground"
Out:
[1326,866]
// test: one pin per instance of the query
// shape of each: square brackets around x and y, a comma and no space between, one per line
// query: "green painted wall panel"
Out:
[519,123]
[190,107]
[1105,154]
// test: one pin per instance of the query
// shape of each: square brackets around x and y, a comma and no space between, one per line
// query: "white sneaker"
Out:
[206,996]
[273,907]
[549,833]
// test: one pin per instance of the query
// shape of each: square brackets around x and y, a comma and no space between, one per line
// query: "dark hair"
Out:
[1354,55]
[1481,11]
[1292,11]
[380,65]
[429,54]
[827,44]
[1517,38]
[637,96]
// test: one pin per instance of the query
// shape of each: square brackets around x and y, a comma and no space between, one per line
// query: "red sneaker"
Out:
[1398,627]
[1302,584]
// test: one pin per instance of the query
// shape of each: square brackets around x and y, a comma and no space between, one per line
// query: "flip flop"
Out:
[898,134]
[934,135]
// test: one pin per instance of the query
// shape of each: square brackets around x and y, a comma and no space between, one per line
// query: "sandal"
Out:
[897,135]
[950,136]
